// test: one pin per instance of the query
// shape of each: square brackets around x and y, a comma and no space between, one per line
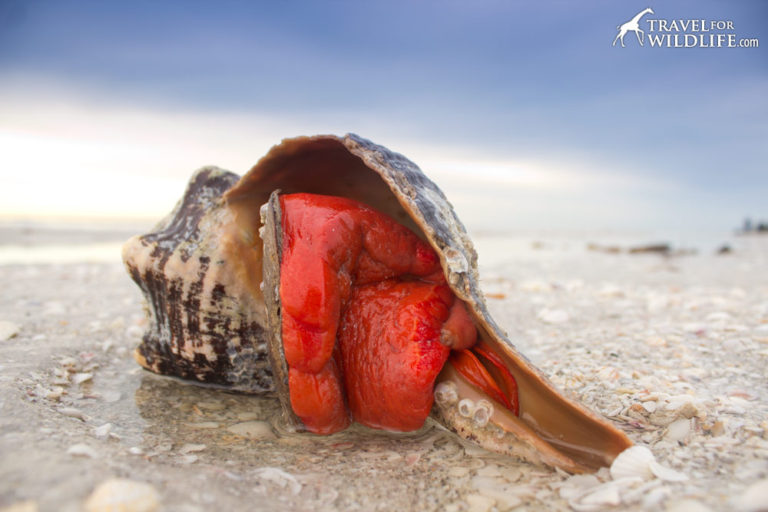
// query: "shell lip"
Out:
[271,235]
[457,402]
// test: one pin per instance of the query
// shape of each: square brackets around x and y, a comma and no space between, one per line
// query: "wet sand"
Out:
[673,350]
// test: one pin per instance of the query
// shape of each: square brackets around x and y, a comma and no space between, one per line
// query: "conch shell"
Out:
[211,284]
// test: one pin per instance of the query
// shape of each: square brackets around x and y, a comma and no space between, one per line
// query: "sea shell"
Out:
[639,462]
[123,494]
[754,497]
[215,314]
[633,462]
[667,474]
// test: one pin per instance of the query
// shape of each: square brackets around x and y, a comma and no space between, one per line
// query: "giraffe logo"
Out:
[634,26]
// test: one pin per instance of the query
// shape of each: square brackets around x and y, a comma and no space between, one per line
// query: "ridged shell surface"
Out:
[205,324]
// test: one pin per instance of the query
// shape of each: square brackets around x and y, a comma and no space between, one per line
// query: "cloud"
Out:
[80,153]
[65,155]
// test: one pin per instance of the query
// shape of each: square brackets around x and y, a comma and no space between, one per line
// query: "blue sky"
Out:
[525,106]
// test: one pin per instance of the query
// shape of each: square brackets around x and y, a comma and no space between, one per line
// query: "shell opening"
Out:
[365,306]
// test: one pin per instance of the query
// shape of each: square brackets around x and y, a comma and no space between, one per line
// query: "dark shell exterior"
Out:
[204,325]
[214,312]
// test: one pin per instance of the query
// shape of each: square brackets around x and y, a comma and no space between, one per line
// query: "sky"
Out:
[523,112]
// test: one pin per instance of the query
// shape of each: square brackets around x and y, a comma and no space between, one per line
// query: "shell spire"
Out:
[205,324]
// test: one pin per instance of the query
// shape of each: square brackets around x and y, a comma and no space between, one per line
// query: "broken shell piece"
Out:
[754,497]
[8,330]
[123,494]
[678,430]
[639,462]
[79,378]
[597,498]
[279,477]
[82,450]
[72,413]
[216,316]
[667,474]
[103,431]
[260,430]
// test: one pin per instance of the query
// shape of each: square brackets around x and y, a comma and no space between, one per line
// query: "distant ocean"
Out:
[54,242]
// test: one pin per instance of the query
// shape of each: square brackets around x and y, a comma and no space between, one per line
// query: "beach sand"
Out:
[672,349]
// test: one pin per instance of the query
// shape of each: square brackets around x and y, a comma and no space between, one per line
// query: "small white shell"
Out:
[678,430]
[635,461]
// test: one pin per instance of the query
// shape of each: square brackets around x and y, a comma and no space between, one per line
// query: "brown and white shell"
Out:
[211,286]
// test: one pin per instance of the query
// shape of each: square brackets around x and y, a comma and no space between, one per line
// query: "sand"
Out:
[673,349]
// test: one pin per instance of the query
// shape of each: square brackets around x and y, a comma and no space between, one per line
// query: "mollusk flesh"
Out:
[336,274]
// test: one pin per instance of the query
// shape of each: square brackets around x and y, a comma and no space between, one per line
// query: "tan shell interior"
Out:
[323,165]
[317,165]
